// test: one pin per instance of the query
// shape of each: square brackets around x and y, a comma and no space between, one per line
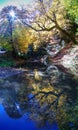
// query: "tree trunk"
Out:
[65,34]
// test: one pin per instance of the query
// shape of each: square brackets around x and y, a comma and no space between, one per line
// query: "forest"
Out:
[39,62]
[27,31]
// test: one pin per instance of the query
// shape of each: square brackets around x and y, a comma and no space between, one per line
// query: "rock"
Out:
[70,60]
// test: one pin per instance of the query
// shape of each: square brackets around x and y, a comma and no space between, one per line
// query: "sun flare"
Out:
[12,13]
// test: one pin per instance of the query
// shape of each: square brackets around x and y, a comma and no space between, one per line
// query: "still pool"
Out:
[39,99]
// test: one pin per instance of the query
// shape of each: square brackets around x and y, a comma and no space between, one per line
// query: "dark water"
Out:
[39,99]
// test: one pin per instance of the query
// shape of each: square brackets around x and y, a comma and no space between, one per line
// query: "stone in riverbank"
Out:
[70,60]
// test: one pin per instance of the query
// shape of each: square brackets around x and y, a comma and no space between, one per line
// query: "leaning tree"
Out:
[50,15]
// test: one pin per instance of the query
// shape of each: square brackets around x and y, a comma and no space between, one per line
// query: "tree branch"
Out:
[47,93]
[41,28]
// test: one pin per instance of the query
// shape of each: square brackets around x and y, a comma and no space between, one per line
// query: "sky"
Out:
[14,2]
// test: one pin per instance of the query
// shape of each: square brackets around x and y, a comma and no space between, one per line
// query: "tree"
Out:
[14,30]
[72,9]
[4,43]
[23,38]
[51,18]
[7,21]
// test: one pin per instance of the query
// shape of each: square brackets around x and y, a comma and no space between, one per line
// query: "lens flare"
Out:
[12,14]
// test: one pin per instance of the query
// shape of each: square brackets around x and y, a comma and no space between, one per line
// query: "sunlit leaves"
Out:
[48,16]
[23,37]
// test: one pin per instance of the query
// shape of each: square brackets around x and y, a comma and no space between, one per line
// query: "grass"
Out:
[6,62]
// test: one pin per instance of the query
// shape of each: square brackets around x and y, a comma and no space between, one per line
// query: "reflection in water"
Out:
[44,96]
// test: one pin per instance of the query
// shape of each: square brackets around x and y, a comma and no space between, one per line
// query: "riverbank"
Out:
[68,58]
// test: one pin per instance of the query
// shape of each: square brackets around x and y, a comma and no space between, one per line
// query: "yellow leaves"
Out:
[37,75]
[36,86]
[62,100]
[23,37]
[48,88]
[56,7]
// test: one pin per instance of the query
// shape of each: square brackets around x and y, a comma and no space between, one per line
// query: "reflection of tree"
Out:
[12,108]
[43,108]
[50,102]
[45,102]
[44,105]
[13,99]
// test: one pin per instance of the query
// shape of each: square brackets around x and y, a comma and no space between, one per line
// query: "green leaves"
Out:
[72,8]
[4,43]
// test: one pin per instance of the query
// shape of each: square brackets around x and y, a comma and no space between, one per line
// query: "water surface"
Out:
[39,99]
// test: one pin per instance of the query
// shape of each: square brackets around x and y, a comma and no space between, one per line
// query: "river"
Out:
[42,98]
